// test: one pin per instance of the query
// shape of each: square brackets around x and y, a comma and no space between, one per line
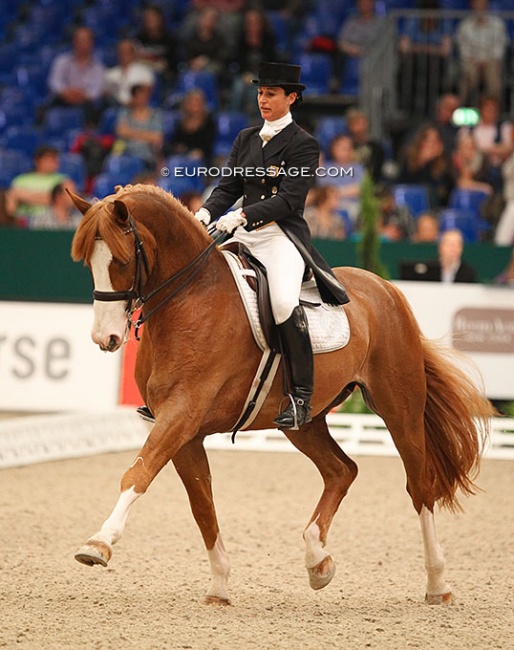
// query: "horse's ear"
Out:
[121,210]
[81,204]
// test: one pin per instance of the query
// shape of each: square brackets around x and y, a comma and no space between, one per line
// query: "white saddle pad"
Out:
[328,324]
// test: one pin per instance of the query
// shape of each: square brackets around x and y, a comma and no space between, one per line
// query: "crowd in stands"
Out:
[109,93]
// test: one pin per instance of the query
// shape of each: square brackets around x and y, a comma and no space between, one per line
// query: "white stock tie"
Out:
[266,133]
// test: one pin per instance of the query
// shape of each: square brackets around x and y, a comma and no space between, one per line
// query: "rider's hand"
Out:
[230,221]
[203,216]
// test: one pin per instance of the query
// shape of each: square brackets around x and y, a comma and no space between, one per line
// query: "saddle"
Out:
[257,279]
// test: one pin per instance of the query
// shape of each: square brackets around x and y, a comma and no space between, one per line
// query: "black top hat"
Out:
[280,74]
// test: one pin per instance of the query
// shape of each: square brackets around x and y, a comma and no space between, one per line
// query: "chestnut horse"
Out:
[197,358]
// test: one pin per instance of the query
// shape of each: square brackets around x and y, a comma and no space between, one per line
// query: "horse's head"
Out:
[117,238]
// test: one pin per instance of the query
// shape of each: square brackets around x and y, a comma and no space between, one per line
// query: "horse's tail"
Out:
[457,421]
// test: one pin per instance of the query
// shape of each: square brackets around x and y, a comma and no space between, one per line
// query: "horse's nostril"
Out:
[113,343]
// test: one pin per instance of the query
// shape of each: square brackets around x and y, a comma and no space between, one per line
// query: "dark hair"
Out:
[291,89]
[45,149]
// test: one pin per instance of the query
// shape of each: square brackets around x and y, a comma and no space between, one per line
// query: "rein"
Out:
[135,294]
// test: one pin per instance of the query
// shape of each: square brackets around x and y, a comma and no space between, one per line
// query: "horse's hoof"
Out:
[439,599]
[216,601]
[321,574]
[94,552]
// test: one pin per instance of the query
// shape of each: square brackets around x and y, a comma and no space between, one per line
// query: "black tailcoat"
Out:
[274,181]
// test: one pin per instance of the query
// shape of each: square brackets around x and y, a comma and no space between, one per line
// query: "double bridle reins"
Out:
[134,296]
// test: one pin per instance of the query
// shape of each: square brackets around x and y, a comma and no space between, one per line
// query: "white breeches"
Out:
[284,264]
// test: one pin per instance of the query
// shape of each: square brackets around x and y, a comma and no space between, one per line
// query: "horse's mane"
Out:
[99,222]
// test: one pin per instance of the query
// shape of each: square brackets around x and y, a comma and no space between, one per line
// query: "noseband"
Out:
[134,296]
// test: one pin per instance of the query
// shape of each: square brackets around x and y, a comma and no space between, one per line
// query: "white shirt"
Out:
[118,81]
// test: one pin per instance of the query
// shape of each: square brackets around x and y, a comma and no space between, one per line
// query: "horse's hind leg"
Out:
[405,421]
[192,466]
[338,472]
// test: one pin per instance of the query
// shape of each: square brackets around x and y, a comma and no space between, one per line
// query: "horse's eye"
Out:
[121,264]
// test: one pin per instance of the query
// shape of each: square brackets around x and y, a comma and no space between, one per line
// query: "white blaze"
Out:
[110,319]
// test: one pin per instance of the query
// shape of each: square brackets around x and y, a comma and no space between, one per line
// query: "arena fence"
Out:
[40,438]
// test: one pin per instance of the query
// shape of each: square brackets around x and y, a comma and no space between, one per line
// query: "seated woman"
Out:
[424,162]
[344,172]
[139,128]
[195,131]
[323,215]
[470,165]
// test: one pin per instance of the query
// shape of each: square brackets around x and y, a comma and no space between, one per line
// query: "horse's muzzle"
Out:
[113,344]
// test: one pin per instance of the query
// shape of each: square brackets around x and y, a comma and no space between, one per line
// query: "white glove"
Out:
[203,216]
[230,221]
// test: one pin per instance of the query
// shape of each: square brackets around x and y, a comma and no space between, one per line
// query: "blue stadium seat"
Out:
[350,84]
[23,138]
[169,122]
[228,125]
[468,200]
[451,219]
[179,185]
[12,163]
[108,120]
[62,118]
[414,197]
[316,72]
[187,173]
[123,168]
[103,185]
[327,128]
[192,80]
[72,164]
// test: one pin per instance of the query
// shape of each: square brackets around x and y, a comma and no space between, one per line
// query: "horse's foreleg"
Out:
[438,590]
[192,466]
[338,472]
[134,483]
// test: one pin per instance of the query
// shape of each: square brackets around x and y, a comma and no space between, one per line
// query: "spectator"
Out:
[471,167]
[345,172]
[427,229]
[256,44]
[31,192]
[396,220]
[369,152]
[94,147]
[155,45]
[119,79]
[192,200]
[481,40]
[493,137]
[195,131]
[504,233]
[140,128]
[357,33]
[206,50]
[76,77]
[7,208]
[323,215]
[450,264]
[445,107]
[230,20]
[424,162]
[425,46]
[61,214]
[145,178]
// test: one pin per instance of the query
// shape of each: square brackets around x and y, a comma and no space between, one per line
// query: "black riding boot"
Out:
[296,344]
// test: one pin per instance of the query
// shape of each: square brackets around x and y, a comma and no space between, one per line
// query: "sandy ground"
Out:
[149,597]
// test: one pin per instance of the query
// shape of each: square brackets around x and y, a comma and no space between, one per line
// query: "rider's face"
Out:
[273,102]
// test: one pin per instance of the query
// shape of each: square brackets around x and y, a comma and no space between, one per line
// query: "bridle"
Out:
[134,296]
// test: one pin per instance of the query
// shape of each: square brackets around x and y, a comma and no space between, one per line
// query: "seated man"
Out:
[31,192]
